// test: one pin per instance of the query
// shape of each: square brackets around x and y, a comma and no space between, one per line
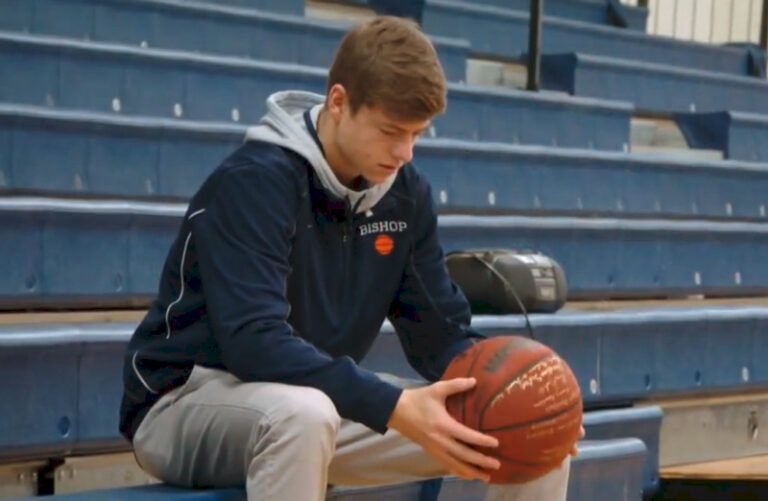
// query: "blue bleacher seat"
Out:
[92,395]
[503,33]
[601,12]
[66,389]
[608,470]
[40,432]
[56,247]
[614,355]
[39,407]
[118,79]
[494,177]
[284,6]
[741,136]
[178,24]
[603,257]
[653,87]
[97,154]
[625,258]
[104,154]
[638,422]
[31,434]
[480,113]
[589,11]
[84,75]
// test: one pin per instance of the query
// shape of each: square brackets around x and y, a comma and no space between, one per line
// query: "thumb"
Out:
[456,385]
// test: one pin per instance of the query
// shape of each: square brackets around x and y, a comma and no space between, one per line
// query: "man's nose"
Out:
[404,150]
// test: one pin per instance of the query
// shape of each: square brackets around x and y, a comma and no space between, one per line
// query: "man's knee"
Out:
[304,410]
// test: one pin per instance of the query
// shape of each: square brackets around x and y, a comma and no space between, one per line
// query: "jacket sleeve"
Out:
[243,242]
[430,313]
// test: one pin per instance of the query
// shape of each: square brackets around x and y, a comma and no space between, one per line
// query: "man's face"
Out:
[375,145]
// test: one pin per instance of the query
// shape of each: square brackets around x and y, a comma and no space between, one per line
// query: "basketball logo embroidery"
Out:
[384,245]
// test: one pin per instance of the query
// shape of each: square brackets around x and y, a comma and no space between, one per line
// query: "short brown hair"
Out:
[390,63]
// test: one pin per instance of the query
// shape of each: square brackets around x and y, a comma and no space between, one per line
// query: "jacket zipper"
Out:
[346,245]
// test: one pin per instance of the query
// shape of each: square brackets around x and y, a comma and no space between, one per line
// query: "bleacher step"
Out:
[605,257]
[64,317]
[613,354]
[742,136]
[743,468]
[103,471]
[466,175]
[695,155]
[53,72]
[605,467]
[661,137]
[714,428]
[589,11]
[496,73]
[503,34]
[19,479]
[652,87]
[660,132]
[643,422]
[174,24]
[742,479]
[338,11]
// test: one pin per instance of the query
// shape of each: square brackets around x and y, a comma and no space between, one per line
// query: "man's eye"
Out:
[388,132]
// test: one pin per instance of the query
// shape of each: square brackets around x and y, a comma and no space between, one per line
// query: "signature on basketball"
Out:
[547,378]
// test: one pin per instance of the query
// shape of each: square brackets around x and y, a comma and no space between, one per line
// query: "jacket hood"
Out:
[284,125]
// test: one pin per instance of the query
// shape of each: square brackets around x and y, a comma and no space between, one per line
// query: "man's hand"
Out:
[421,416]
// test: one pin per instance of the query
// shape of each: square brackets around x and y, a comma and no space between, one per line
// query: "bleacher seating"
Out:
[499,178]
[69,12]
[82,418]
[178,24]
[644,423]
[611,468]
[136,102]
[503,33]
[613,354]
[44,71]
[605,257]
[621,258]
[488,178]
[284,6]
[602,12]
[653,87]
[741,136]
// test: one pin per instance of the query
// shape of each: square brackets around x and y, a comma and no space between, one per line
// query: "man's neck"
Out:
[326,131]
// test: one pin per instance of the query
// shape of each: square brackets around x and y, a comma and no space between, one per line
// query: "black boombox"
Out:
[501,281]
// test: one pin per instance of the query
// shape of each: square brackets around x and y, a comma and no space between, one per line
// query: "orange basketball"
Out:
[527,397]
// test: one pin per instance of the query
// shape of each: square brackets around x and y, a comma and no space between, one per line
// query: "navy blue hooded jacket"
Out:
[281,274]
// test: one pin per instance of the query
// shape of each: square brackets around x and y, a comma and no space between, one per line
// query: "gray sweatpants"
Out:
[285,443]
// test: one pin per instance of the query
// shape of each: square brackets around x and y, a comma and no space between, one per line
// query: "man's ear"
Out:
[336,102]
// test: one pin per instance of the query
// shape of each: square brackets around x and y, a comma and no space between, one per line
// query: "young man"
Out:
[291,255]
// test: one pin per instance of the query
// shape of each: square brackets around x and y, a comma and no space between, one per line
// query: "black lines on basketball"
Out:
[506,384]
[533,421]
[478,349]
